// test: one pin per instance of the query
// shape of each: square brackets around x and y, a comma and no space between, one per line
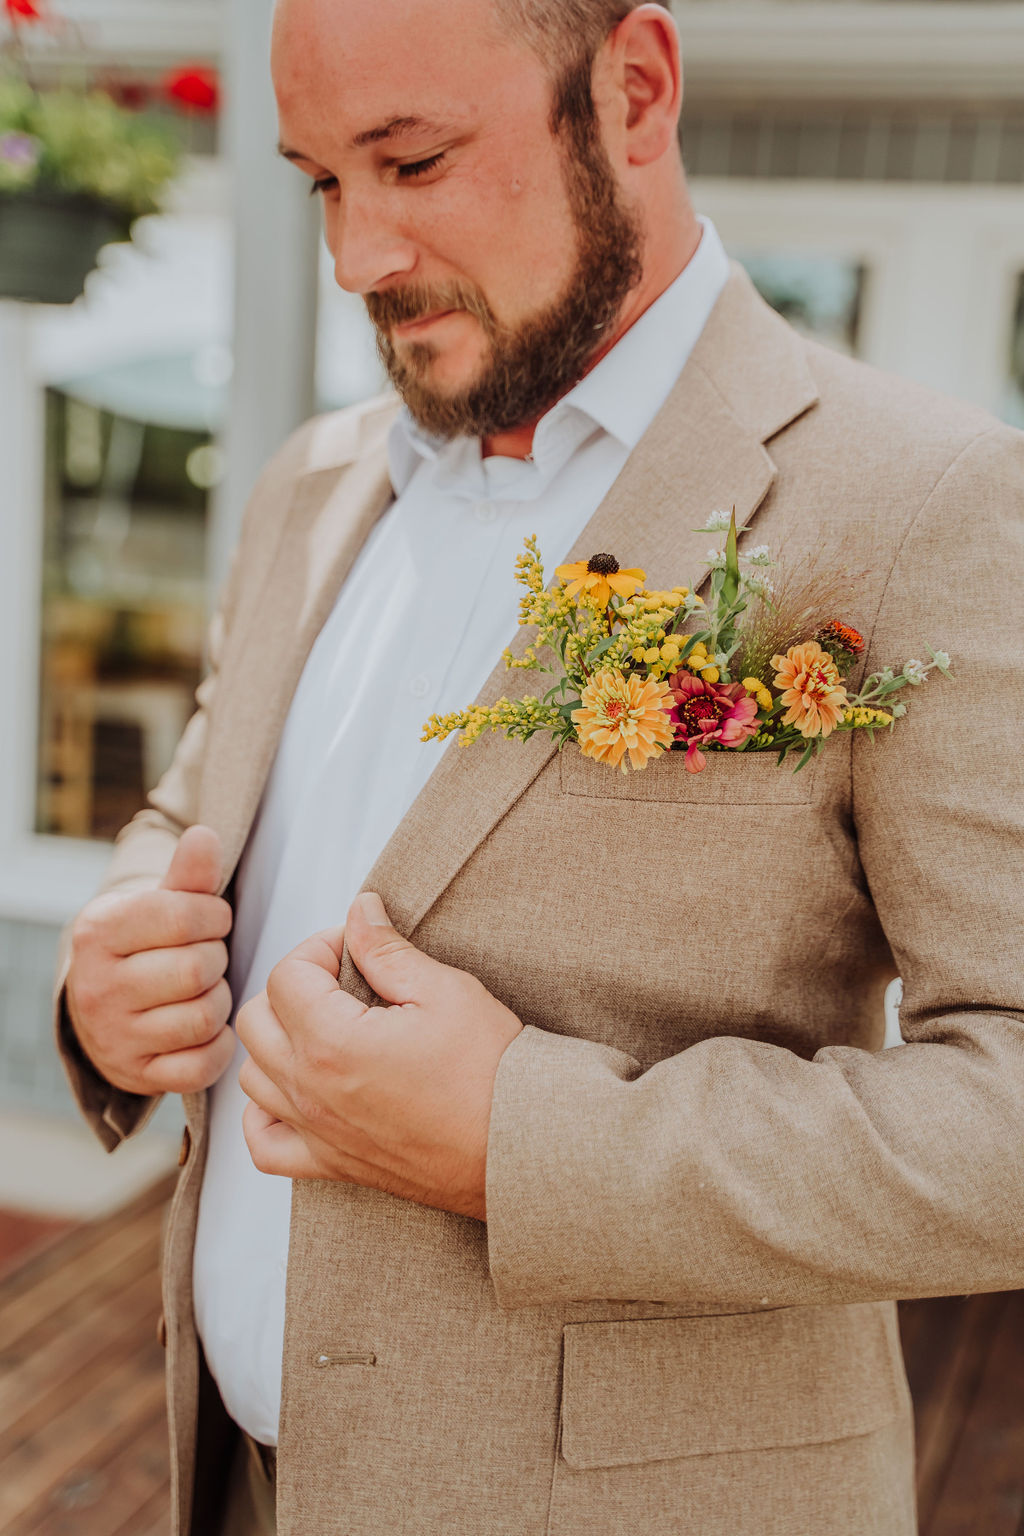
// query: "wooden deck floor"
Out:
[83,1432]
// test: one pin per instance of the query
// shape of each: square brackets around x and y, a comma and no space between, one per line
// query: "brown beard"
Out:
[534,363]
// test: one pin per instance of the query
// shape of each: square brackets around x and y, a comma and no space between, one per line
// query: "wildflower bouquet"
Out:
[759,667]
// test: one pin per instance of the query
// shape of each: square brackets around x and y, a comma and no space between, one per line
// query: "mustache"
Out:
[401,306]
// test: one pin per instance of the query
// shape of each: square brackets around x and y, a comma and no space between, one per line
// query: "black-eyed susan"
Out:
[599,577]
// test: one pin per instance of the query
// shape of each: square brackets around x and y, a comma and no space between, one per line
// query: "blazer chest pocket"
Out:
[648,1391]
[728,778]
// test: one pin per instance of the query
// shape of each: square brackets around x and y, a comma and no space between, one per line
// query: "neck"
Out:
[661,268]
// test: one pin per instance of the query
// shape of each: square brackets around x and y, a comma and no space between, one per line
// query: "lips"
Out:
[409,329]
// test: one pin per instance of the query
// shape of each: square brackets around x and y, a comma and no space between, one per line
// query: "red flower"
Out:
[22,10]
[837,636]
[132,95]
[196,89]
[709,712]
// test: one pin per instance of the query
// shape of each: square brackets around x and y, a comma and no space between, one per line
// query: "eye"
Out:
[418,168]
[323,184]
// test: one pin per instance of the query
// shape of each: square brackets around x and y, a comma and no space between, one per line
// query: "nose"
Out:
[367,247]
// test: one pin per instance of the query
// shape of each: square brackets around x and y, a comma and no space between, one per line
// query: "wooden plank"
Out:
[85,1237]
[155,1521]
[983,1492]
[946,1345]
[23,1236]
[88,1431]
[75,1281]
[102,1497]
[63,1368]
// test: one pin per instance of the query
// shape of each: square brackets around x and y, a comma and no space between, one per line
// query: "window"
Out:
[1014,406]
[822,296]
[123,609]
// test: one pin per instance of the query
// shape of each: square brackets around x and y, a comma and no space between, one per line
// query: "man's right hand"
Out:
[146,990]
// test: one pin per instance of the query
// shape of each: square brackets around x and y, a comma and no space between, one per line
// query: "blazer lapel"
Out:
[701,454]
[329,521]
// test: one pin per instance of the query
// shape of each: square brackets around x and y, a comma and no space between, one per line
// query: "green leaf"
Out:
[805,759]
[731,583]
[599,650]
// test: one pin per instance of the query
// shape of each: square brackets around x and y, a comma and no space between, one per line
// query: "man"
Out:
[599,1212]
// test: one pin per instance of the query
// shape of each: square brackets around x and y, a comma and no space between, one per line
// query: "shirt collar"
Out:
[620,396]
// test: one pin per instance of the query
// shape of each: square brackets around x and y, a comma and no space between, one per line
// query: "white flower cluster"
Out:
[759,555]
[716,559]
[718,522]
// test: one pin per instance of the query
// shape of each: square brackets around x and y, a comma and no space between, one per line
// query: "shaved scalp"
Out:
[568,35]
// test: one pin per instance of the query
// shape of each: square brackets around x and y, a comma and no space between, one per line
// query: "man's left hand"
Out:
[394,1098]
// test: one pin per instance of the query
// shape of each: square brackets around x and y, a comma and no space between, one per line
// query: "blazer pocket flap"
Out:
[649,1390]
[729,778]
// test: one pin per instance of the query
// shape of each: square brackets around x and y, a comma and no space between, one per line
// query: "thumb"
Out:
[196,865]
[397,971]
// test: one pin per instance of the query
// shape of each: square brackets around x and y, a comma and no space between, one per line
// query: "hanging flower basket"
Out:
[78,163]
[49,242]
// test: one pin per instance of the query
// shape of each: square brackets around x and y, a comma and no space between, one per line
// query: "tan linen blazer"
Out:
[706,1183]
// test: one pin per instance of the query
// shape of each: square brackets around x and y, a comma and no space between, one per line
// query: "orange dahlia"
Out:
[599,577]
[812,689]
[623,720]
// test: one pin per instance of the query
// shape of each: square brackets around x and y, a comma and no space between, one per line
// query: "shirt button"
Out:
[419,687]
[485,511]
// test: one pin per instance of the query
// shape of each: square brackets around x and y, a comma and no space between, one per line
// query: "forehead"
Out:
[342,67]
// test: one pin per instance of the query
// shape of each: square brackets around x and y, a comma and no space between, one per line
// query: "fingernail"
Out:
[372,910]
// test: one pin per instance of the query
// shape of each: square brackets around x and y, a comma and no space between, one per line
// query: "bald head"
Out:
[567,35]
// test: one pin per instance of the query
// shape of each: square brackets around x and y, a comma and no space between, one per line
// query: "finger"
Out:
[160,920]
[303,982]
[396,970]
[261,1032]
[155,977]
[275,1147]
[182,1026]
[196,865]
[190,1071]
[265,1093]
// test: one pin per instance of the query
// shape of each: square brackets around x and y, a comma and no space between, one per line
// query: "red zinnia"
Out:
[710,712]
[196,89]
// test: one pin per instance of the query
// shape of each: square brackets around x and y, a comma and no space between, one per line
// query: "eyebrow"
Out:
[394,128]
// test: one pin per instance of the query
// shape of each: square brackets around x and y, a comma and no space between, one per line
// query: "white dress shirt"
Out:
[428,607]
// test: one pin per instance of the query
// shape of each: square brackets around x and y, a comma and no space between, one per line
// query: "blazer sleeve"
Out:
[739,1174]
[144,849]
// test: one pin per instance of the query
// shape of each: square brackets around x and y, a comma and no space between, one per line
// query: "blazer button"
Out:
[186,1147]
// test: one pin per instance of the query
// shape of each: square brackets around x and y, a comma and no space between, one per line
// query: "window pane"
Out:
[1014,404]
[822,296]
[123,609]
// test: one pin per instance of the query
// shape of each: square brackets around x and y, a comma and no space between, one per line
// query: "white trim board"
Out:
[55,1168]
[872,50]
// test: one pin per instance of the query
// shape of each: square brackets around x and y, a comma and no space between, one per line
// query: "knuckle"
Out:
[277,981]
[222,1001]
[224,917]
[176,926]
[189,972]
[387,949]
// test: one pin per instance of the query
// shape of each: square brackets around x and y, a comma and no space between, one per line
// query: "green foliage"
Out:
[82,142]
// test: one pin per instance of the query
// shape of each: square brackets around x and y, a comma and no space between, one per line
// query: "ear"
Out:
[644,73]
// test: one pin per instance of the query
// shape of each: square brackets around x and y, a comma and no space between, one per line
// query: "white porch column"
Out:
[277,235]
[21,549]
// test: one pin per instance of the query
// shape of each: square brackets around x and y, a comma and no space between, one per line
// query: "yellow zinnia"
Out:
[623,720]
[599,577]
